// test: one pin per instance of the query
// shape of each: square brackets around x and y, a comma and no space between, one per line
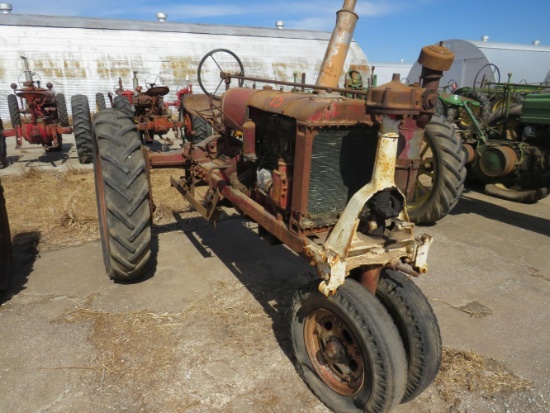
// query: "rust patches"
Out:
[179,67]
[113,69]
[73,69]
[281,71]
[46,68]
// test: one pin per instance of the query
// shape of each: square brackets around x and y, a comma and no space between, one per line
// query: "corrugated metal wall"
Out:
[91,57]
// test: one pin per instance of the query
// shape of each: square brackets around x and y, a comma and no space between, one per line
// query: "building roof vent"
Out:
[485,38]
[279,24]
[161,17]
[5,8]
[536,42]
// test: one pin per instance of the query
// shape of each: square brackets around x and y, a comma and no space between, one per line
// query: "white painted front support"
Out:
[331,260]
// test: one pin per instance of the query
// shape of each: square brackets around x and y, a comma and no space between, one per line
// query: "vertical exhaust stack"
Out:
[337,49]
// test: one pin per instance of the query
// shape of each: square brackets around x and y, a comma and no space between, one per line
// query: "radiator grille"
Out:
[341,163]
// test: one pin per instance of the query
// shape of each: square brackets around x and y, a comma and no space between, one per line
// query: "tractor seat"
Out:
[157,91]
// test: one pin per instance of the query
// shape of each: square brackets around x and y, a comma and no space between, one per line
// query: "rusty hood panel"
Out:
[306,108]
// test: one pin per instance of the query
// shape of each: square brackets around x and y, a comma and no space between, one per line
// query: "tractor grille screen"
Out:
[341,163]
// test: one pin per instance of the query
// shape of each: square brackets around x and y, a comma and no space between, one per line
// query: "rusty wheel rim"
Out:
[334,351]
[425,177]
[187,125]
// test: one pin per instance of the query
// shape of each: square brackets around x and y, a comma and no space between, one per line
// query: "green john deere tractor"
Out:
[505,133]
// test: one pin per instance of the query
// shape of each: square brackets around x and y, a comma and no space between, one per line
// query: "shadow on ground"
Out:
[25,253]
[493,211]
[271,273]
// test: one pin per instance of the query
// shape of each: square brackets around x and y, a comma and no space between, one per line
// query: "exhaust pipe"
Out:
[337,49]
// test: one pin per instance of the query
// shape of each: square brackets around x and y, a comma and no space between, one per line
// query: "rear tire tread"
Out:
[450,173]
[126,234]
[82,128]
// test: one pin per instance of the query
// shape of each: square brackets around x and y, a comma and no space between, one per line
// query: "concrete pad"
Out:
[206,329]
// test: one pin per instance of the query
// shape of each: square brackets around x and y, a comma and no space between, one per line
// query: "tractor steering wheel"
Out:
[34,78]
[496,75]
[218,66]
[152,80]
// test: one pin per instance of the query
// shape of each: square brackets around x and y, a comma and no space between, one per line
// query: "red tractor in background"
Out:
[148,108]
[39,115]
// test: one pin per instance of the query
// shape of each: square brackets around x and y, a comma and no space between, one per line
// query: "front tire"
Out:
[440,179]
[82,128]
[417,326]
[122,193]
[347,349]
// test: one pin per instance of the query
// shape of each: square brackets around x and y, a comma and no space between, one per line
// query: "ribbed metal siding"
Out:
[87,60]
[341,163]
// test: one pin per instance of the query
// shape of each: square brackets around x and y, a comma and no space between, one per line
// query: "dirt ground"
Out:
[206,330]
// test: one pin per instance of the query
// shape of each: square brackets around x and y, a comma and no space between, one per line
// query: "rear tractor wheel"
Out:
[100,102]
[61,105]
[13,107]
[122,193]
[440,179]
[347,349]
[82,127]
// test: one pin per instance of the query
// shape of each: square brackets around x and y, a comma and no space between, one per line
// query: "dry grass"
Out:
[148,350]
[467,371]
[61,207]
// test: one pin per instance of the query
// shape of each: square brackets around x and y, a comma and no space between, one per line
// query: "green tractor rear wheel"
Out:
[440,178]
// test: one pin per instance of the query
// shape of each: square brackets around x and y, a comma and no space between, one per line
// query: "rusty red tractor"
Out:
[185,120]
[324,174]
[38,114]
[151,115]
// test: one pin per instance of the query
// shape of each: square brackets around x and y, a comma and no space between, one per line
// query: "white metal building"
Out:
[88,55]
[526,63]
[384,71]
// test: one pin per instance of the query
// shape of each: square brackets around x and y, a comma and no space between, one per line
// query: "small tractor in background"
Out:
[151,114]
[505,132]
[328,176]
[38,115]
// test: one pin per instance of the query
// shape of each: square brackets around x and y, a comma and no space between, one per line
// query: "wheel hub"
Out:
[334,352]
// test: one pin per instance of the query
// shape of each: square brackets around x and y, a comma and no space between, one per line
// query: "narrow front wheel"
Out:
[347,349]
